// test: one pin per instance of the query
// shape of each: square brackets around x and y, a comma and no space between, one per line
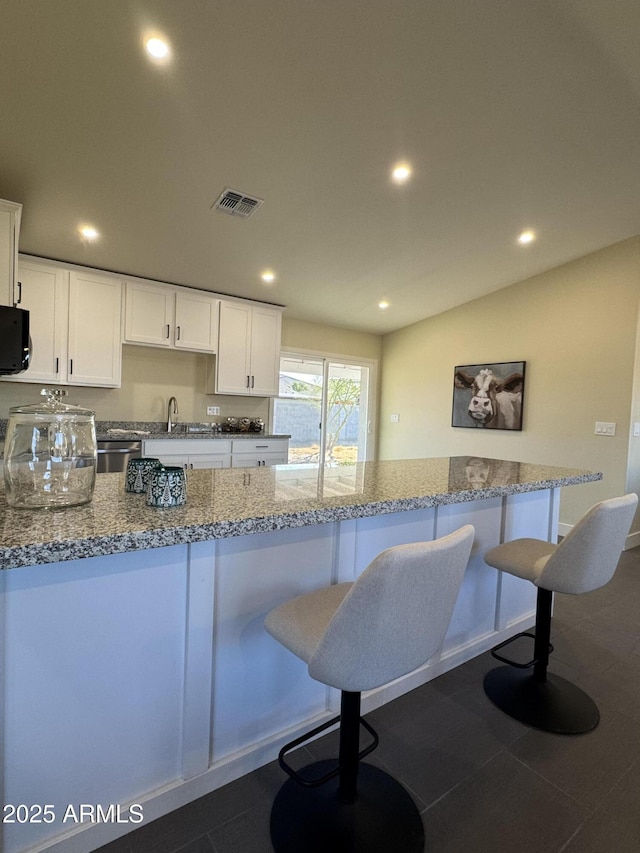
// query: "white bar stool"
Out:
[583,561]
[355,637]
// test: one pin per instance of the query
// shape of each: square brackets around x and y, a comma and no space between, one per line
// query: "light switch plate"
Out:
[603,428]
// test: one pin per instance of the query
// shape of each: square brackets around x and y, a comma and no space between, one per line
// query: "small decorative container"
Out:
[138,474]
[167,487]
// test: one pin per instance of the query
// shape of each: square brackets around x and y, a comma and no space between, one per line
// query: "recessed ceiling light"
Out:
[157,48]
[383,305]
[88,232]
[268,276]
[526,237]
[401,173]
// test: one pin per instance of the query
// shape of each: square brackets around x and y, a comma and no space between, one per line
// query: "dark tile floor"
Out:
[483,782]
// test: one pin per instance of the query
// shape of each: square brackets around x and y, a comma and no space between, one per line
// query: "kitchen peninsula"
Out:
[136,666]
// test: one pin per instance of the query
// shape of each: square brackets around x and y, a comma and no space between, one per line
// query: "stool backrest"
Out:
[396,614]
[588,555]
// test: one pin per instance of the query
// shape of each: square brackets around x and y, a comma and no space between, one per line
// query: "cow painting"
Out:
[489,396]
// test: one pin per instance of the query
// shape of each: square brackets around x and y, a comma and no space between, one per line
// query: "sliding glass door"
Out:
[324,404]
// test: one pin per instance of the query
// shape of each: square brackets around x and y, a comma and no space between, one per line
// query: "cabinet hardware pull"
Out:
[248,377]
[57,365]
[70,366]
[168,330]
[253,381]
[177,333]
[19,293]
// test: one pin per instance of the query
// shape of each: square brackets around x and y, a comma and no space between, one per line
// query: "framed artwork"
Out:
[488,396]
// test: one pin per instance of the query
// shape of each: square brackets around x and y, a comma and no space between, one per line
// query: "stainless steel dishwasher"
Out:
[113,455]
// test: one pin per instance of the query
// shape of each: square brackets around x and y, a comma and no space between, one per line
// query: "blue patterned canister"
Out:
[167,487]
[138,472]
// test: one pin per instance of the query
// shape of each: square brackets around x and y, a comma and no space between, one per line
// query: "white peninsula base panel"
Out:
[146,679]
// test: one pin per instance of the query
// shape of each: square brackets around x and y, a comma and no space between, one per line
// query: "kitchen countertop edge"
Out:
[334,509]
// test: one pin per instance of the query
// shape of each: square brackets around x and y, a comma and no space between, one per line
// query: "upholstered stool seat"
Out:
[354,637]
[583,561]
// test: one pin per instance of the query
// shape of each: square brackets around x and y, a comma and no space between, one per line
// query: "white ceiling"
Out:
[513,114]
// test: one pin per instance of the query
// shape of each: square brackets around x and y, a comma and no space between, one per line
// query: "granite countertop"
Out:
[234,502]
[152,430]
[154,436]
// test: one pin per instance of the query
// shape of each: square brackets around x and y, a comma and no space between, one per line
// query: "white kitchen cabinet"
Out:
[44,293]
[10,213]
[247,453]
[189,452]
[74,320]
[248,360]
[95,351]
[161,315]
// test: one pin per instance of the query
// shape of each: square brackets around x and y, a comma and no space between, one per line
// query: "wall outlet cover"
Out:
[213,410]
[604,428]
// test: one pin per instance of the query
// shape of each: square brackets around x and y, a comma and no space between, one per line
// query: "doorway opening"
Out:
[326,405]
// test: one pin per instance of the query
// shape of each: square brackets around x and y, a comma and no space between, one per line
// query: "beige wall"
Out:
[150,376]
[299,334]
[576,327]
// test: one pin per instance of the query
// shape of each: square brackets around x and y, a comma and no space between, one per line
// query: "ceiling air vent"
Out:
[237,204]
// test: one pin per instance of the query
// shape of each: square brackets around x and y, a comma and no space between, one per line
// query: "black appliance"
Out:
[14,340]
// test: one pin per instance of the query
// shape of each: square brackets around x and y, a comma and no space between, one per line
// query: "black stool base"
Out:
[383,818]
[555,705]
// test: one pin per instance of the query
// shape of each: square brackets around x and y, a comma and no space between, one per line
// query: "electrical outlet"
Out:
[395,419]
[213,410]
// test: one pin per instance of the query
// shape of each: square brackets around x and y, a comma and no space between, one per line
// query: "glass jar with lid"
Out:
[50,454]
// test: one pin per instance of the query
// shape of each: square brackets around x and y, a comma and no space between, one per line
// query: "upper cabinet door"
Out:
[266,332]
[10,213]
[148,314]
[43,292]
[196,324]
[248,350]
[95,351]
[233,363]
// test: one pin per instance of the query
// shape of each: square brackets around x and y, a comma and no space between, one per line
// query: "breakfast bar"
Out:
[136,672]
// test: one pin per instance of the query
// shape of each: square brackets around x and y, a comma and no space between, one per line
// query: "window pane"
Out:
[346,414]
[297,410]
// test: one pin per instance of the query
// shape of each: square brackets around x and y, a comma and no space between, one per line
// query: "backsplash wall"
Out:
[149,377]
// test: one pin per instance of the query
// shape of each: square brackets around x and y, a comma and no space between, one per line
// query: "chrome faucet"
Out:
[172,409]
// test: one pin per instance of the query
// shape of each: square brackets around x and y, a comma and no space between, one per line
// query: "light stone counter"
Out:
[132,639]
[235,502]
